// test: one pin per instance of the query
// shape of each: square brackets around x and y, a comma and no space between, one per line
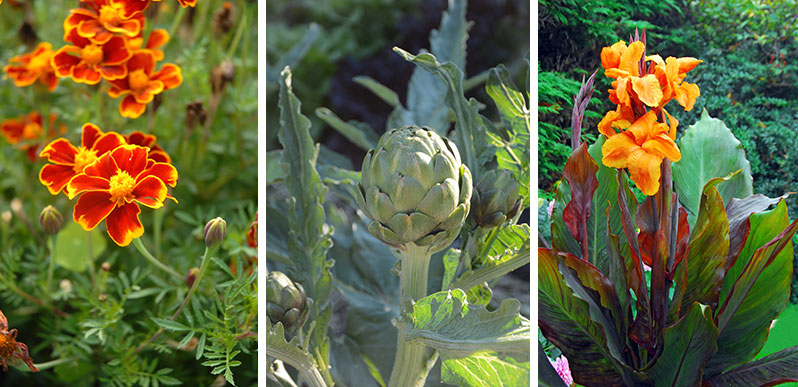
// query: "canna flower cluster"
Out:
[106,42]
[27,132]
[640,132]
[112,175]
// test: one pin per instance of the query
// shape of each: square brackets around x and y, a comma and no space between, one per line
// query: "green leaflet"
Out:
[709,149]
[485,370]
[72,246]
[359,133]
[293,354]
[447,322]
[688,345]
[509,251]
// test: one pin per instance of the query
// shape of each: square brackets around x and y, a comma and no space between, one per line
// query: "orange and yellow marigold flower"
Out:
[10,347]
[87,62]
[104,18]
[143,83]
[28,68]
[640,132]
[68,160]
[26,132]
[157,38]
[156,153]
[113,186]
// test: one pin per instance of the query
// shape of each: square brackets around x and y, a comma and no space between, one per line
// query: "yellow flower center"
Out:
[109,15]
[121,187]
[31,131]
[92,54]
[138,80]
[84,158]
[39,63]
[7,345]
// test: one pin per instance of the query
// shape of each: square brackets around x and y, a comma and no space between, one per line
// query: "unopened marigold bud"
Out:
[192,276]
[106,266]
[51,220]
[65,285]
[6,216]
[102,297]
[215,231]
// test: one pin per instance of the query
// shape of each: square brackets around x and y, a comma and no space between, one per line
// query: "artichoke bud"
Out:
[415,189]
[285,301]
[496,199]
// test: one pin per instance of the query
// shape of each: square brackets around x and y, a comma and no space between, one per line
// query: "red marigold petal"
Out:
[82,73]
[150,191]
[60,152]
[139,138]
[130,28]
[103,167]
[160,155]
[141,60]
[123,224]
[115,51]
[157,38]
[187,3]
[63,61]
[130,158]
[170,75]
[130,8]
[165,172]
[113,72]
[85,183]
[130,108]
[92,208]
[90,133]
[55,177]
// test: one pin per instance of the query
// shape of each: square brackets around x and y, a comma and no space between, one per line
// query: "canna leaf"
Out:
[688,344]
[561,238]
[565,320]
[755,290]
[709,149]
[580,172]
[768,371]
[739,211]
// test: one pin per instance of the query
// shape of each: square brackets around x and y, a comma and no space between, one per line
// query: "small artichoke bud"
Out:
[285,301]
[415,189]
[192,276]
[495,199]
[215,231]
[51,220]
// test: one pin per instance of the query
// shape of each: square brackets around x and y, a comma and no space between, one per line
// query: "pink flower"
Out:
[561,365]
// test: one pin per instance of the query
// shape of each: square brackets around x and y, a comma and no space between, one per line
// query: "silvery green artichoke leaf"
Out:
[292,353]
[487,369]
[359,133]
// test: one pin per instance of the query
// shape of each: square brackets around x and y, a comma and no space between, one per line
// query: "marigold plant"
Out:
[28,68]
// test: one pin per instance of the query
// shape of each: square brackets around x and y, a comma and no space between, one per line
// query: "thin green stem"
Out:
[48,365]
[176,21]
[410,365]
[143,250]
[51,265]
[157,226]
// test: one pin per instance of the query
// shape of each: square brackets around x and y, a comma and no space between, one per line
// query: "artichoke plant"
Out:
[415,189]
[496,199]
[285,301]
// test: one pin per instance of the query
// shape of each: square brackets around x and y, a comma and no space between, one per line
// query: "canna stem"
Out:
[410,367]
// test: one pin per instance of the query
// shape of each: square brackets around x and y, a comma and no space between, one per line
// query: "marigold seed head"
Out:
[215,231]
[51,220]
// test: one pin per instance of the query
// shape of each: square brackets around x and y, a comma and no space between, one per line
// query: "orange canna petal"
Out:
[686,94]
[663,147]
[605,126]
[150,191]
[611,56]
[630,58]
[91,208]
[123,224]
[647,89]
[55,177]
[615,151]
[644,169]
[622,91]
[673,122]
[644,127]
[687,63]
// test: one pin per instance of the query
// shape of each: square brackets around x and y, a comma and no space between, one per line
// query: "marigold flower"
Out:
[641,148]
[113,186]
[157,38]
[87,62]
[103,18]
[184,3]
[30,67]
[10,347]
[68,160]
[156,154]
[143,83]
[26,132]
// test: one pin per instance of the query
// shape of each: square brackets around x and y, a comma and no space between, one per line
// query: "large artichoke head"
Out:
[285,301]
[496,199]
[415,189]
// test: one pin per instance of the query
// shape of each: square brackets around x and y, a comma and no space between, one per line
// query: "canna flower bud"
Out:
[51,220]
[215,231]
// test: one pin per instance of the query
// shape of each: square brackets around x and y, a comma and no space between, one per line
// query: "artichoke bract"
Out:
[496,199]
[415,189]
[285,301]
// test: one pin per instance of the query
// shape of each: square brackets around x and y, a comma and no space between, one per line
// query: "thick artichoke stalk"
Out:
[417,192]
[415,189]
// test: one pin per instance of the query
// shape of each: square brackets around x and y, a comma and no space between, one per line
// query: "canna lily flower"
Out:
[157,38]
[68,160]
[104,18]
[113,186]
[156,153]
[10,347]
[26,132]
[670,74]
[641,149]
[143,83]
[88,63]
[30,67]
